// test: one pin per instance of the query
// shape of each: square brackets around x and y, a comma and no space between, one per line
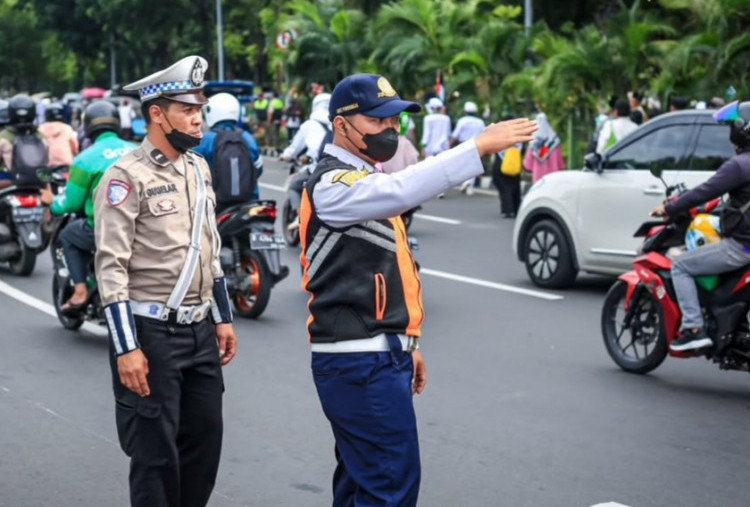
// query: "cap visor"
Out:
[393,108]
[188,98]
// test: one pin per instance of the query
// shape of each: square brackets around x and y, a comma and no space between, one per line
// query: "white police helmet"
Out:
[222,107]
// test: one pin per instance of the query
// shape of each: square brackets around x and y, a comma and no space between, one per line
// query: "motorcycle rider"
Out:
[62,140]
[308,140]
[101,123]
[21,114]
[223,114]
[733,251]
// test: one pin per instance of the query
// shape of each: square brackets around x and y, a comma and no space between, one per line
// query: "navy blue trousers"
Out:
[367,398]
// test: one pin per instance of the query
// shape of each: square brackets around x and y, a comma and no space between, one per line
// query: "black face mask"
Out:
[179,140]
[381,146]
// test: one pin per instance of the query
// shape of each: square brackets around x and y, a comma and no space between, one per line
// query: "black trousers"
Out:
[509,188]
[173,436]
[78,246]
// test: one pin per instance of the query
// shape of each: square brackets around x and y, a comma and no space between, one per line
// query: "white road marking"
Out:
[491,285]
[610,504]
[433,218]
[275,188]
[44,307]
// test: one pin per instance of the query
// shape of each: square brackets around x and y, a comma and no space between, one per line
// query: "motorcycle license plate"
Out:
[263,241]
[27,214]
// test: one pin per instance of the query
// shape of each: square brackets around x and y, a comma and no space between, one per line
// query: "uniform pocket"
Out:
[160,206]
[380,296]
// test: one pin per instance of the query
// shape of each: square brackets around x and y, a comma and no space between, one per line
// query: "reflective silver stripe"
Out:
[372,238]
[215,238]
[317,242]
[325,249]
[191,261]
[380,228]
[113,330]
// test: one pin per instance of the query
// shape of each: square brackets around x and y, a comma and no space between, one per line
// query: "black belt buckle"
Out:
[172,318]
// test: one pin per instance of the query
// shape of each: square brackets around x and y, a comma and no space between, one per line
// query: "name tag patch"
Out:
[171,188]
[117,192]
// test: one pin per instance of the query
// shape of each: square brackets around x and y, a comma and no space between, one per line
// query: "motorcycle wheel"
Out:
[641,346]
[24,264]
[252,303]
[59,296]
[287,216]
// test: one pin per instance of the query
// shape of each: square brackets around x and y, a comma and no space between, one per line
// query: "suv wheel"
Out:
[547,256]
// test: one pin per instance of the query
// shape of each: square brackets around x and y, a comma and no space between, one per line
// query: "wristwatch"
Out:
[413,344]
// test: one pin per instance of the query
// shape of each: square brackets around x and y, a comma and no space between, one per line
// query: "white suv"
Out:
[572,221]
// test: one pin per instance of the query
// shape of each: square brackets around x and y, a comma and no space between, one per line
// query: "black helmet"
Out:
[21,110]
[739,124]
[100,116]
[4,118]
[54,112]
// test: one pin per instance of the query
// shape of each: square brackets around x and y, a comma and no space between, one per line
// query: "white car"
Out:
[572,221]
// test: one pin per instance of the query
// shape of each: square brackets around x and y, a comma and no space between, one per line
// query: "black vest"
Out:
[362,279]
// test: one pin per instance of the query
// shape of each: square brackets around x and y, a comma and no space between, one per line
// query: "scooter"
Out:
[250,255]
[641,317]
[22,215]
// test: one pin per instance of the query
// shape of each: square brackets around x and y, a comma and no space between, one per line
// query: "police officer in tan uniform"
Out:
[160,282]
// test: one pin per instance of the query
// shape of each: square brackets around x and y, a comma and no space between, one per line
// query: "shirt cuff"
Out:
[121,326]
[221,311]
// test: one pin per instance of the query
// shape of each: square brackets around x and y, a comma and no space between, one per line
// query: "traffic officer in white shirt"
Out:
[160,280]
[365,294]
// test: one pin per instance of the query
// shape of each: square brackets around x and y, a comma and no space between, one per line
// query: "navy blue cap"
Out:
[368,94]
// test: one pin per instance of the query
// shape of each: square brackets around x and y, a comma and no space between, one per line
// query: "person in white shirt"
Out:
[617,128]
[127,114]
[468,127]
[436,129]
[308,140]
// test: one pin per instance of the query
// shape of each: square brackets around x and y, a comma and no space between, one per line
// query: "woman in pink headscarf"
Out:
[544,154]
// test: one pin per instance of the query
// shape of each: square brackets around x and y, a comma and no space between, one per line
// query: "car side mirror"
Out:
[593,161]
[656,171]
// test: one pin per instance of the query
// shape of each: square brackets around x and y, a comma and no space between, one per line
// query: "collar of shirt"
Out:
[155,155]
[348,157]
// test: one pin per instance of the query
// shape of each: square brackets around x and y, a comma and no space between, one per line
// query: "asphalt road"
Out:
[523,407]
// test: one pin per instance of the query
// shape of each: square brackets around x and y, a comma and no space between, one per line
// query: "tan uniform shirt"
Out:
[143,212]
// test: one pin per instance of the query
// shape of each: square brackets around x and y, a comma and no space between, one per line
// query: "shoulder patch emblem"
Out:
[350,177]
[117,192]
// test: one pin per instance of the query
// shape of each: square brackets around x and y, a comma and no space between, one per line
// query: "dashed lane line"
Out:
[491,285]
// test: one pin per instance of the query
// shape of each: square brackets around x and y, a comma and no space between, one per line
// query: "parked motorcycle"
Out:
[250,255]
[22,215]
[641,317]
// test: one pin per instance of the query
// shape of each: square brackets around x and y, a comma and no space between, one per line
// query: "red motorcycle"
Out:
[641,317]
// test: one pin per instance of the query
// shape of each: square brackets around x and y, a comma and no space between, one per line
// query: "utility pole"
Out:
[112,61]
[528,17]
[220,41]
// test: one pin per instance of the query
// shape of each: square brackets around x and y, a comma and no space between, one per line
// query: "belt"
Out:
[377,343]
[183,315]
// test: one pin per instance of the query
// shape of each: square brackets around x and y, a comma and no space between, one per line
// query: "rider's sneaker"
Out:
[691,340]
[293,225]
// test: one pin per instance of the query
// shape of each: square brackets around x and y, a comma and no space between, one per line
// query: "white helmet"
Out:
[221,107]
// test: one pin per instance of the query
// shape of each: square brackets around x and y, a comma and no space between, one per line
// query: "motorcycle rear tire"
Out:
[648,315]
[287,216]
[59,296]
[23,265]
[252,304]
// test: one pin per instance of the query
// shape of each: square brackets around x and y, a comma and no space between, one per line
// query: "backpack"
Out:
[29,154]
[327,139]
[233,172]
[511,164]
